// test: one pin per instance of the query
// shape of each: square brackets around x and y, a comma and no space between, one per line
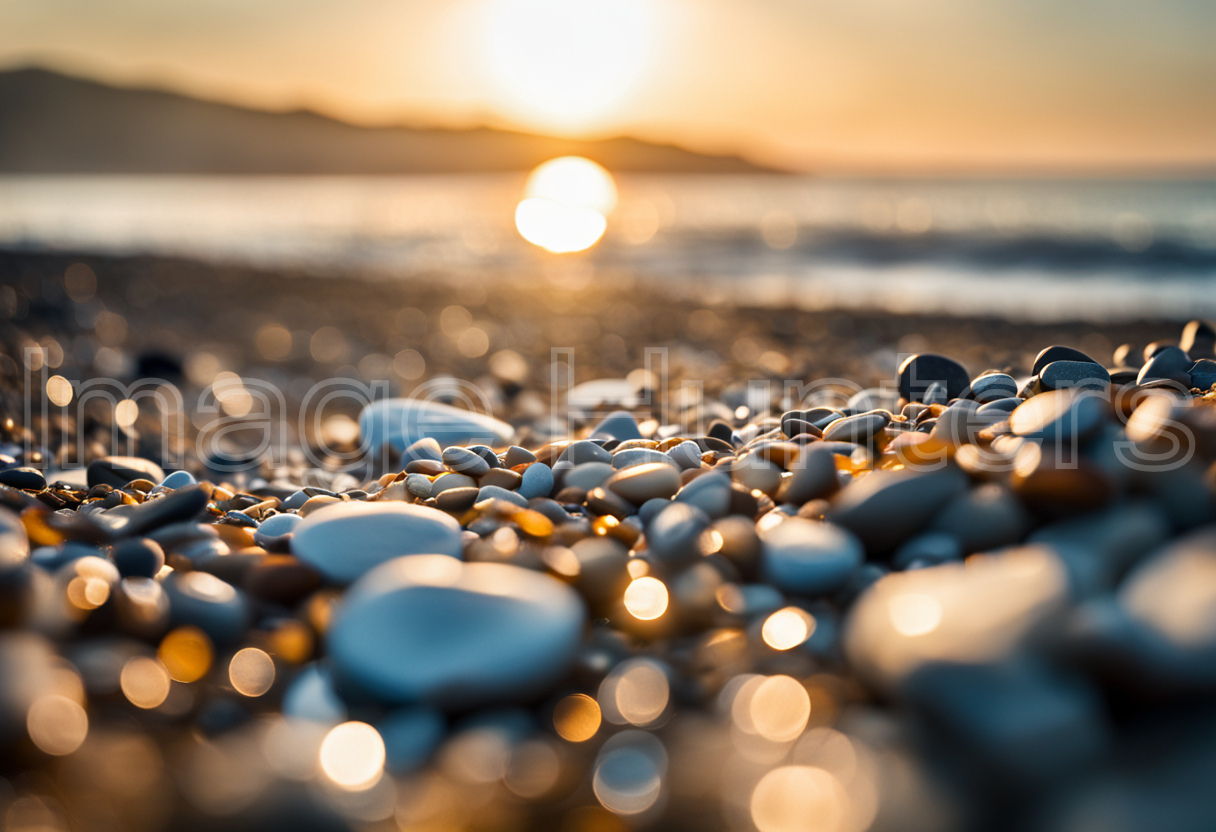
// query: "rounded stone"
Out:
[618,425]
[537,481]
[214,606]
[344,540]
[465,461]
[402,422]
[1058,353]
[275,532]
[640,483]
[709,492]
[27,479]
[120,470]
[673,536]
[640,456]
[434,630]
[814,475]
[687,455]
[1074,375]
[991,387]
[885,508]
[1198,339]
[138,558]
[1168,363]
[919,372]
[179,479]
[1059,415]
[588,475]
[806,557]
[495,492]
[859,428]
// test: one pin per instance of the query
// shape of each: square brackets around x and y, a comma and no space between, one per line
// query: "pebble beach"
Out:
[591,556]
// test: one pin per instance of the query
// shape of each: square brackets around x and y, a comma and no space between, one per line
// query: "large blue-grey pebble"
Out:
[402,422]
[640,456]
[344,540]
[537,481]
[674,535]
[806,557]
[495,492]
[275,531]
[433,630]
[214,606]
[709,492]
[179,479]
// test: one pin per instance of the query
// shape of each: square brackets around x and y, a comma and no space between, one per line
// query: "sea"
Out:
[1023,249]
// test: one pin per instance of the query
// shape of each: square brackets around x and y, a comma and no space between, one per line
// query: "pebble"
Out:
[814,476]
[494,492]
[411,735]
[687,455]
[618,425]
[1059,415]
[179,479]
[860,428]
[918,373]
[1203,374]
[274,533]
[402,422]
[1074,375]
[710,492]
[138,557]
[436,631]
[418,485]
[465,461]
[1168,363]
[457,499]
[27,479]
[120,470]
[641,456]
[214,606]
[345,540]
[1058,353]
[673,536]
[885,508]
[587,476]
[1198,340]
[992,387]
[647,481]
[583,451]
[537,481]
[809,558]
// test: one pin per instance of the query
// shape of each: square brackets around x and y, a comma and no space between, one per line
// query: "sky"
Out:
[850,86]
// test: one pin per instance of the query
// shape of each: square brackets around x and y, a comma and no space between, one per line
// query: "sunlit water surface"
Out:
[1046,250]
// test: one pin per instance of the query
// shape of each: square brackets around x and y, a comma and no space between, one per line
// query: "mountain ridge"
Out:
[56,123]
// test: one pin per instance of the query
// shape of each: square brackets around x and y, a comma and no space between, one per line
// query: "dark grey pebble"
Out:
[120,470]
[583,451]
[138,557]
[1060,416]
[885,508]
[1203,374]
[814,476]
[465,461]
[992,387]
[1074,375]
[1169,363]
[1000,405]
[27,479]
[918,372]
[1198,340]
[1058,353]
[214,606]
[673,536]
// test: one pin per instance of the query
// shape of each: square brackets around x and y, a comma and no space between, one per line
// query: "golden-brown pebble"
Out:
[501,477]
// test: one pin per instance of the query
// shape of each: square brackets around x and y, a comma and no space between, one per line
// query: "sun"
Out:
[566,205]
[564,65]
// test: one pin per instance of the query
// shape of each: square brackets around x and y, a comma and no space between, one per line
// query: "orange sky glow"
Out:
[1004,86]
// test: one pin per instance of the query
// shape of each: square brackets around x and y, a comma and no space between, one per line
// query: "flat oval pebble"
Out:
[464,461]
[1074,375]
[214,606]
[648,481]
[709,492]
[674,535]
[859,428]
[885,508]
[456,635]
[120,470]
[344,540]
[402,422]
[806,557]
[179,479]
[991,387]
[1058,353]
[495,492]
[27,479]
[588,475]
[640,456]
